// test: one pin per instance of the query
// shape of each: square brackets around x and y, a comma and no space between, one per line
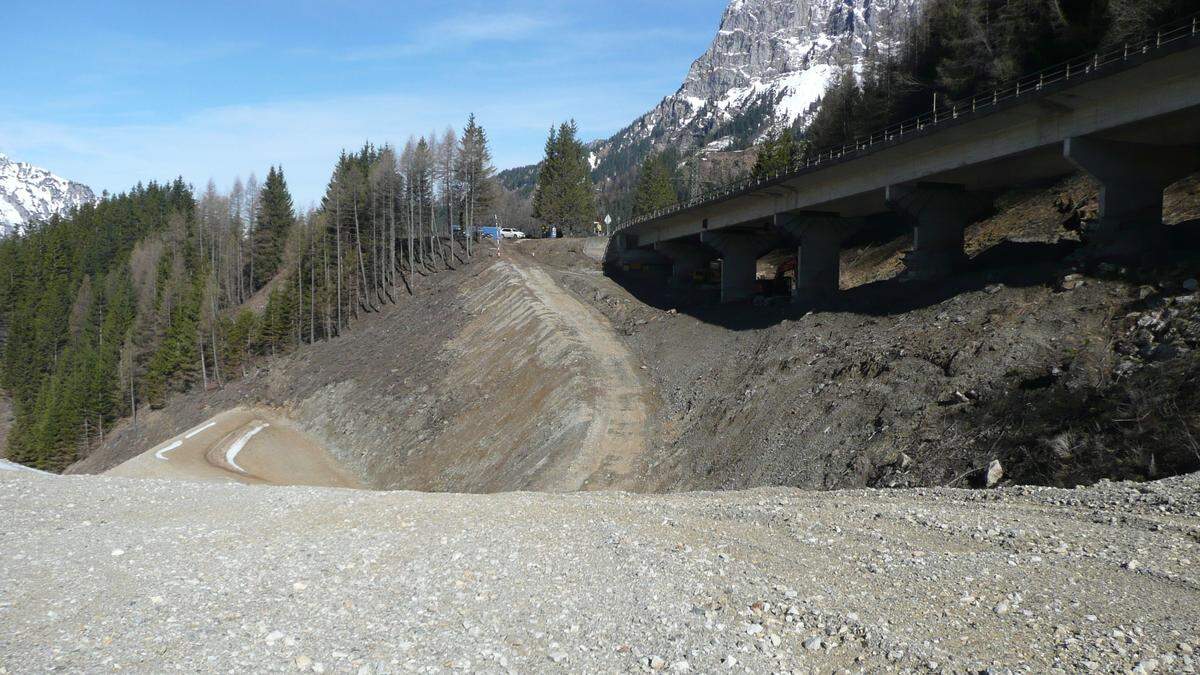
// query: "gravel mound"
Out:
[100,573]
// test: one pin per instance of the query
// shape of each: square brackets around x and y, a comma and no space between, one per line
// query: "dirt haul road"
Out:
[544,395]
[244,446]
[616,436]
[99,573]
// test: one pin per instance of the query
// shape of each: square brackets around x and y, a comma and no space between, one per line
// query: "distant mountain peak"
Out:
[29,193]
[766,69]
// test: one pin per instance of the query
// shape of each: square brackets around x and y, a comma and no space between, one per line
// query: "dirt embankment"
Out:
[490,378]
[1067,374]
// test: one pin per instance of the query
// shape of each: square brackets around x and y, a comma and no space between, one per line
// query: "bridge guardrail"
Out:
[980,104]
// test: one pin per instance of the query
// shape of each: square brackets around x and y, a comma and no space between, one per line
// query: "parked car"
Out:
[510,233]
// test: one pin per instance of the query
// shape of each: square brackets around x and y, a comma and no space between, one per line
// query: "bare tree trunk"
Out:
[411,222]
[337,233]
[213,326]
[364,297]
[132,396]
[325,275]
[203,367]
[300,299]
[312,291]
[376,242]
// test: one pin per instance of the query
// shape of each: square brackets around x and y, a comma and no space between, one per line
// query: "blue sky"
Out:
[114,93]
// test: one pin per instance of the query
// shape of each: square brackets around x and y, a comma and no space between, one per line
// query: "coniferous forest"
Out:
[163,289]
[959,48]
[954,49]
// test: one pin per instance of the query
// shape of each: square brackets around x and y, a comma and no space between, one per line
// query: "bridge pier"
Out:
[1132,179]
[818,238]
[940,214]
[687,257]
[739,252]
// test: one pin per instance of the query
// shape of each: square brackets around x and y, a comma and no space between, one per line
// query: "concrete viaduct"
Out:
[1130,119]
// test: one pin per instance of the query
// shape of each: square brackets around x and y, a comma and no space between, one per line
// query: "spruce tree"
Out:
[475,174]
[654,189]
[546,196]
[274,222]
[776,154]
[565,197]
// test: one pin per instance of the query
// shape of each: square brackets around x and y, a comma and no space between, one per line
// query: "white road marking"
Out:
[232,453]
[198,429]
[6,465]
[162,454]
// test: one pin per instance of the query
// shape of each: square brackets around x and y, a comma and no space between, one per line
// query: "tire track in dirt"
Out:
[617,436]
[541,394]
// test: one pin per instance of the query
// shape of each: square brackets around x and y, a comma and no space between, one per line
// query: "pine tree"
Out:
[776,154]
[564,196]
[654,189]
[276,216]
[475,175]
[546,197]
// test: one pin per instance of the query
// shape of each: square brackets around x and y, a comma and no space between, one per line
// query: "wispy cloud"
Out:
[304,135]
[454,33]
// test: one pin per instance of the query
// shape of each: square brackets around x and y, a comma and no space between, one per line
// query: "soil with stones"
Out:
[104,573]
[1064,371]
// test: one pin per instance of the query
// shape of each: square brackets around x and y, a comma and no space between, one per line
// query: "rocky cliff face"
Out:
[766,69]
[28,193]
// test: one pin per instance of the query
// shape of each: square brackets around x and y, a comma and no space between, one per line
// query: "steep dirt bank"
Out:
[102,573]
[490,378]
[1064,373]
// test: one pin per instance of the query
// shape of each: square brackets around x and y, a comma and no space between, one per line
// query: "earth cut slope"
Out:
[489,378]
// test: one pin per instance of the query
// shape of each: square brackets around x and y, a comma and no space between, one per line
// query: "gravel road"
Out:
[101,573]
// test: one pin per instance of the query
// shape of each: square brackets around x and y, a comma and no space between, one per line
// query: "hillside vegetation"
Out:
[161,290]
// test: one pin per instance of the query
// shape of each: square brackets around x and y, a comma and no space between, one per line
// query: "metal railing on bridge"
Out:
[1027,86]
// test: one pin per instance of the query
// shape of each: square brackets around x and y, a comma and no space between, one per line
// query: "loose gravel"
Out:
[105,573]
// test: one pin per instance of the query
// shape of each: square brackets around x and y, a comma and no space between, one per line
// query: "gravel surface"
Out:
[105,573]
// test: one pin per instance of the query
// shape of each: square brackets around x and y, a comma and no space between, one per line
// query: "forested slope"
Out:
[111,310]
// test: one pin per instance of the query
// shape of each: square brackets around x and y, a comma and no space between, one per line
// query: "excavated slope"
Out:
[489,378]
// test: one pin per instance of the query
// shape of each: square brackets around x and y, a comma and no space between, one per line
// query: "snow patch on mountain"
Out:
[29,193]
[766,69]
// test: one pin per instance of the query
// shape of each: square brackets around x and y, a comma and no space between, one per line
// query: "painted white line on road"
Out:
[162,454]
[234,449]
[198,429]
[6,465]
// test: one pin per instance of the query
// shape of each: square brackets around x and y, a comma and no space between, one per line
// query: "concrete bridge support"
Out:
[739,251]
[940,214]
[687,257]
[818,238]
[1132,179]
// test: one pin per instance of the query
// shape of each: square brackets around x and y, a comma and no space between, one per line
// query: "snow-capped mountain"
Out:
[766,69]
[28,193]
